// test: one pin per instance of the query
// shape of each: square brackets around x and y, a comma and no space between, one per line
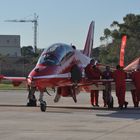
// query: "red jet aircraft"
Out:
[60,66]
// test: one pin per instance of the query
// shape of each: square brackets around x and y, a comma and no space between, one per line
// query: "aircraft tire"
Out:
[32,102]
[43,106]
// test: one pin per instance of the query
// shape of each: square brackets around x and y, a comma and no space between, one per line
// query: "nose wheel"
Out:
[31,97]
[43,106]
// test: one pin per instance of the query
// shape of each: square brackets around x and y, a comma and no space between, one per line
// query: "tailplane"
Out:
[89,40]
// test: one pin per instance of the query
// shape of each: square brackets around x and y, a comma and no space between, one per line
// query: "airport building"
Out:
[10,45]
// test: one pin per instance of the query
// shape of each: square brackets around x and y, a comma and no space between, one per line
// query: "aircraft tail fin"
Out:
[89,40]
[133,65]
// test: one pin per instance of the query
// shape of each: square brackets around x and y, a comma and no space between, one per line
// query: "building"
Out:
[10,45]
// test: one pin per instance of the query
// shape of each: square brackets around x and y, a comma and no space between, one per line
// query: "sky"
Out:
[62,21]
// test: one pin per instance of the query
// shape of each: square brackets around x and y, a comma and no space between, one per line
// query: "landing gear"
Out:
[31,97]
[33,100]
[43,106]
[74,92]
[76,76]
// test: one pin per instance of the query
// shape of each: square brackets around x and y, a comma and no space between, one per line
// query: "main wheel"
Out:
[73,93]
[43,106]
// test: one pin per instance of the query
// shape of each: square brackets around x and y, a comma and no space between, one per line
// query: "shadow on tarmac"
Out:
[129,113]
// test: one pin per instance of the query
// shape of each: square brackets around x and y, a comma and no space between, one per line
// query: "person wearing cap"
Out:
[136,92]
[92,72]
[119,77]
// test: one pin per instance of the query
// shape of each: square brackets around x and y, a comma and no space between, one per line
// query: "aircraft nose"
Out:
[43,71]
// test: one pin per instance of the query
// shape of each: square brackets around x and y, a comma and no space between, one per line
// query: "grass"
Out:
[11,87]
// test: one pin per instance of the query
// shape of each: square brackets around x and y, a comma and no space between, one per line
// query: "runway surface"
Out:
[65,120]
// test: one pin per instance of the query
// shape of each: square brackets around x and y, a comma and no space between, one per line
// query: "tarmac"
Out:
[66,120]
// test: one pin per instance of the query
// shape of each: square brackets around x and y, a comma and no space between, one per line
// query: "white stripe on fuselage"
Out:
[66,75]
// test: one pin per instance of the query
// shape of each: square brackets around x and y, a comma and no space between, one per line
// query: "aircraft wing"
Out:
[65,75]
[133,65]
[1,77]
[84,83]
[99,84]
[65,80]
[16,81]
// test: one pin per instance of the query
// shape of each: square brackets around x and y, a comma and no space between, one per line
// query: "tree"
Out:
[27,51]
[129,27]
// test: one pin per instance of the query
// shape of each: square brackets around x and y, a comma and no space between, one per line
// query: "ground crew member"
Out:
[107,98]
[134,98]
[136,80]
[119,77]
[133,91]
[92,72]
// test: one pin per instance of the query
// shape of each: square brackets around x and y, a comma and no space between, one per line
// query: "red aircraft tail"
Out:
[89,40]
[133,65]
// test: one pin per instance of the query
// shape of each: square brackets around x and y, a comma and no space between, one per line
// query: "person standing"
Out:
[133,91]
[119,77]
[134,98]
[107,98]
[136,92]
[92,72]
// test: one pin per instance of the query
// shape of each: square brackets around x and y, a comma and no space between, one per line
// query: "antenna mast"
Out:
[35,22]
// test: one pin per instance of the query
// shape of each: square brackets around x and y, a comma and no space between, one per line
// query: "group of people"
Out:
[119,76]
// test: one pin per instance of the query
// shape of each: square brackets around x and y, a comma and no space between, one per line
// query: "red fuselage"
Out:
[54,66]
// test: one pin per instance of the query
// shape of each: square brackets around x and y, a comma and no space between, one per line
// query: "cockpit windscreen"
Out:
[55,54]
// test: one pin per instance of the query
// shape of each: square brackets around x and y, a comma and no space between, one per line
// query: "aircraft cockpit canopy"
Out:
[55,54]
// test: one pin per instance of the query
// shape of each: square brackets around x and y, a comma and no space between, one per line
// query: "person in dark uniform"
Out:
[136,92]
[107,98]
